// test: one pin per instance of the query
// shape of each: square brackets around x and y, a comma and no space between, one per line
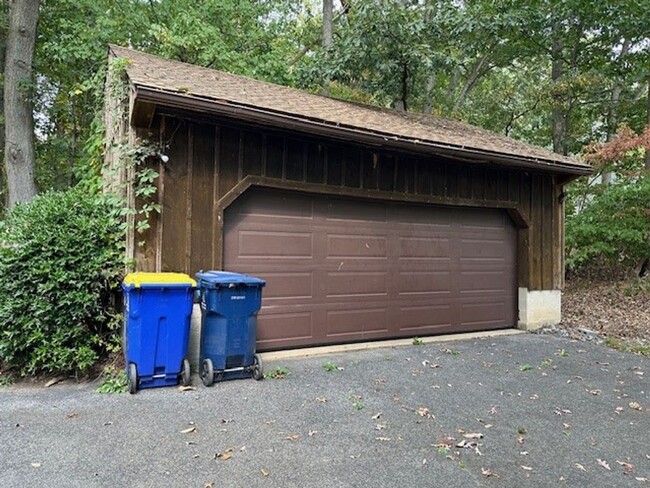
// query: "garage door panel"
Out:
[282,327]
[270,205]
[341,323]
[482,248]
[254,243]
[417,319]
[424,247]
[424,283]
[483,282]
[356,246]
[288,286]
[356,285]
[344,210]
[341,270]
[480,314]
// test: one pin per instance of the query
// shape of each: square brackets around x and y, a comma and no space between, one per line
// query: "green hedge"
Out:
[60,262]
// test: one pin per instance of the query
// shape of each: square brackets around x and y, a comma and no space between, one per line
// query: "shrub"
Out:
[60,260]
[611,235]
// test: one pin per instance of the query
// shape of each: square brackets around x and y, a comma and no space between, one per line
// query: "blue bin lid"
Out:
[227,278]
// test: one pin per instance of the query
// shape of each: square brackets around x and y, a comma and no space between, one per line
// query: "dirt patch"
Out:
[613,309]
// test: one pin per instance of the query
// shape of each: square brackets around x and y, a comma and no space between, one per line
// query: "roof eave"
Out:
[149,95]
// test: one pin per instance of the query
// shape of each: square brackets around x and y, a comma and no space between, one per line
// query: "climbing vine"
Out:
[128,164]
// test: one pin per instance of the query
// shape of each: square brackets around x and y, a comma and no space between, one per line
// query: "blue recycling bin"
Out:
[229,306]
[158,309]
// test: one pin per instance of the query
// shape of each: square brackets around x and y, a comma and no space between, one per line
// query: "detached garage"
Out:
[366,223]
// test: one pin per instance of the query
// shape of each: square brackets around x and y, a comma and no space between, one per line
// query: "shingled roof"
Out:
[166,82]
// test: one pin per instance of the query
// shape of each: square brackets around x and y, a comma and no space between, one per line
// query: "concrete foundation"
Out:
[195,338]
[538,308]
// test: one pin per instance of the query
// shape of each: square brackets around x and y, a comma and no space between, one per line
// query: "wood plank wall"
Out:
[207,161]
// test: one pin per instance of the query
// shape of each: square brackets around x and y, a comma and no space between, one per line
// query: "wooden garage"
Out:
[366,223]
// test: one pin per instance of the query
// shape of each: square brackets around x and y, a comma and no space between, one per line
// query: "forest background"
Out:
[569,75]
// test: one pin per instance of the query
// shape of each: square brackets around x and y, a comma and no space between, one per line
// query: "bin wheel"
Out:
[132,378]
[207,372]
[185,373]
[258,368]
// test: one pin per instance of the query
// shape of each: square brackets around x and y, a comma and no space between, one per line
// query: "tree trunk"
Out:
[558,113]
[400,104]
[612,112]
[19,117]
[647,151]
[328,7]
[476,72]
[3,176]
[427,108]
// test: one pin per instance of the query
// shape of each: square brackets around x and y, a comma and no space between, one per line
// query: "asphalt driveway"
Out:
[516,411]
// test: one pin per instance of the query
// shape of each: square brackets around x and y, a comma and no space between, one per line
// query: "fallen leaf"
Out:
[627,467]
[595,391]
[566,426]
[618,410]
[581,467]
[639,478]
[382,439]
[380,426]
[227,421]
[376,416]
[321,399]
[473,435]
[635,406]
[604,464]
[242,448]
[524,453]
[424,412]
[189,430]
[293,437]
[36,465]
[527,468]
[312,433]
[72,415]
[487,472]
[265,472]
[208,485]
[520,440]
[493,410]
[424,461]
[223,456]
[53,382]
[186,388]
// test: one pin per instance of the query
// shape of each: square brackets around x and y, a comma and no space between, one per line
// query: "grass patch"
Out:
[642,349]
[329,366]
[277,373]
[115,381]
[417,341]
[525,367]
[6,379]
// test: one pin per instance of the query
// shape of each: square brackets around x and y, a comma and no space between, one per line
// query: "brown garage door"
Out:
[342,270]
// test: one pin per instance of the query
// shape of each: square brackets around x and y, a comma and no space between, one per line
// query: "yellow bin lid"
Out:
[140,278]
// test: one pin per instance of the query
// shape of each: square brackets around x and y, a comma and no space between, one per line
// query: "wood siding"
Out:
[210,165]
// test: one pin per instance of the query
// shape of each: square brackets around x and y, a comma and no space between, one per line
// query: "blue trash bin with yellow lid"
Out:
[229,306]
[158,310]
